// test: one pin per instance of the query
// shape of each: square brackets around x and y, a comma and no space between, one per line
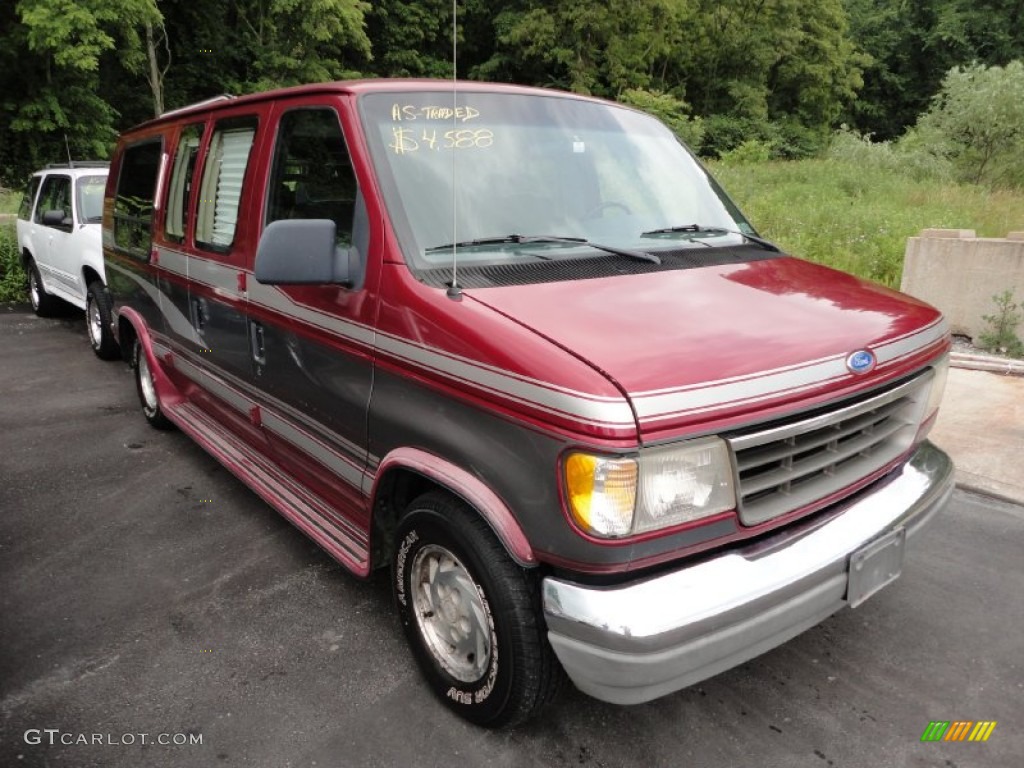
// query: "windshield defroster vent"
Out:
[589,267]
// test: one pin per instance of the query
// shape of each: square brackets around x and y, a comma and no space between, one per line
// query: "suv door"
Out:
[51,241]
[312,344]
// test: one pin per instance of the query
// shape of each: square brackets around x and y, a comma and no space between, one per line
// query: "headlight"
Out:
[612,497]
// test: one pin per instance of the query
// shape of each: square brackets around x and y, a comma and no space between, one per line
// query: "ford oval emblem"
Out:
[860,361]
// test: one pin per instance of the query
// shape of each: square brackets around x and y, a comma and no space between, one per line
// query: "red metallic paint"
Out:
[468,329]
[730,321]
[167,393]
[621,332]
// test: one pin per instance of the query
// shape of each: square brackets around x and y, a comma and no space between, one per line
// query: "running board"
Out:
[304,509]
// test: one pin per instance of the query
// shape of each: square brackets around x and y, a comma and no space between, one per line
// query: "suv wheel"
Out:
[472,616]
[43,304]
[97,321]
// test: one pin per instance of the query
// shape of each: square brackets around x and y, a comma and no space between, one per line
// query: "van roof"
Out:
[376,85]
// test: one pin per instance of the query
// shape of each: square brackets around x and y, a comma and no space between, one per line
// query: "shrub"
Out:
[1002,333]
[749,152]
[787,140]
[671,111]
[912,155]
[977,122]
[12,277]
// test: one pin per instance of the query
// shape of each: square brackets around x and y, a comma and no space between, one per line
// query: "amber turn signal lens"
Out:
[601,493]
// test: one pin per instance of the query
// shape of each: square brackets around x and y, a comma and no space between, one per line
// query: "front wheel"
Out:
[147,390]
[471,616]
[97,322]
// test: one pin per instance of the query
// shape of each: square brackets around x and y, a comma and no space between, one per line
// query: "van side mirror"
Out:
[301,252]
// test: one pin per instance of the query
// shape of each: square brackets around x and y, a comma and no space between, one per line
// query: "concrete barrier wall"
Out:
[959,272]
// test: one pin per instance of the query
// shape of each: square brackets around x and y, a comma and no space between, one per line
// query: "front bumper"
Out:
[632,643]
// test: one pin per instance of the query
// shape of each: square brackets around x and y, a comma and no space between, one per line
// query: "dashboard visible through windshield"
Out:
[488,167]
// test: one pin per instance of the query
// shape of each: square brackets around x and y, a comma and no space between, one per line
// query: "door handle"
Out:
[198,315]
[256,344]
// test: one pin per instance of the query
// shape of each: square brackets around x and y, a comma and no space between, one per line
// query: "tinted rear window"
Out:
[133,203]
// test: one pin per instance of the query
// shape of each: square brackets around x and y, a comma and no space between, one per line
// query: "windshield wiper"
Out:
[766,244]
[527,239]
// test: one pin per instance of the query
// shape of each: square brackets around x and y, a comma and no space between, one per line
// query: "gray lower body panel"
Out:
[635,642]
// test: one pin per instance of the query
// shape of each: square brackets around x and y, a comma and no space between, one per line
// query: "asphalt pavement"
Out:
[143,590]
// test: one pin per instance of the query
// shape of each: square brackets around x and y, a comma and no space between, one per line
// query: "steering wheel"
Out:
[600,208]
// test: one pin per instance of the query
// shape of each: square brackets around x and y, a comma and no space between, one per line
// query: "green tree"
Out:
[775,70]
[675,113]
[51,57]
[411,38]
[977,120]
[913,44]
[588,46]
[302,41]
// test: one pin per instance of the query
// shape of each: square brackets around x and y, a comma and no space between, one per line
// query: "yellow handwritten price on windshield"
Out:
[407,140]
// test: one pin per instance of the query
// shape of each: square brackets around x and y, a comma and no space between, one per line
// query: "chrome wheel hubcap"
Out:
[146,383]
[94,323]
[33,289]
[450,613]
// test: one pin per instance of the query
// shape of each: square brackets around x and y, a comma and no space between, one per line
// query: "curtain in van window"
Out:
[235,155]
[222,184]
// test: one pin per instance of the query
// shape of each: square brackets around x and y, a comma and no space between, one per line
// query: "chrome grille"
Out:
[788,466]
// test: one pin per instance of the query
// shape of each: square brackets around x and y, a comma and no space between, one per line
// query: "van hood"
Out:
[720,342]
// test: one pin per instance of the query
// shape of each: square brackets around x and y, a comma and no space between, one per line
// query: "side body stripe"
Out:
[587,408]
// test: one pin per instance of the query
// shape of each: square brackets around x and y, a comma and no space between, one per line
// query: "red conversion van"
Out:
[518,347]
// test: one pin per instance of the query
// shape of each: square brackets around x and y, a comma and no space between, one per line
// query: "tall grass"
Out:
[855,210]
[13,282]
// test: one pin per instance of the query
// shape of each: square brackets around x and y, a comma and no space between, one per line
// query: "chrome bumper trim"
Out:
[635,642]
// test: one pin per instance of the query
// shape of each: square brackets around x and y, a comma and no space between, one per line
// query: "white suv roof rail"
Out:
[203,103]
[79,164]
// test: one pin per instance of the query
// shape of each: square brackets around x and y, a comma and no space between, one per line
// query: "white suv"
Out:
[61,249]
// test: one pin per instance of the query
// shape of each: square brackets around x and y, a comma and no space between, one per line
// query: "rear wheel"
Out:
[43,304]
[97,321]
[147,390]
[472,616]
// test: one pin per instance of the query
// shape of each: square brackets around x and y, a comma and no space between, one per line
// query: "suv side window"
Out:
[220,193]
[181,182]
[25,210]
[312,176]
[55,196]
[133,201]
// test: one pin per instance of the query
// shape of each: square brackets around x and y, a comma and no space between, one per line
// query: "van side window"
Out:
[55,196]
[25,210]
[181,182]
[312,176]
[133,201]
[220,192]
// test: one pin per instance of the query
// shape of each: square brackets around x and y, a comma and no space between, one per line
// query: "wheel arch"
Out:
[126,334]
[90,275]
[131,327]
[406,473]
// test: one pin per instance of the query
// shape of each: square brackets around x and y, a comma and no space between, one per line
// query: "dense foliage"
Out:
[742,78]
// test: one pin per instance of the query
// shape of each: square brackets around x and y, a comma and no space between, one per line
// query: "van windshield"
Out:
[506,165]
